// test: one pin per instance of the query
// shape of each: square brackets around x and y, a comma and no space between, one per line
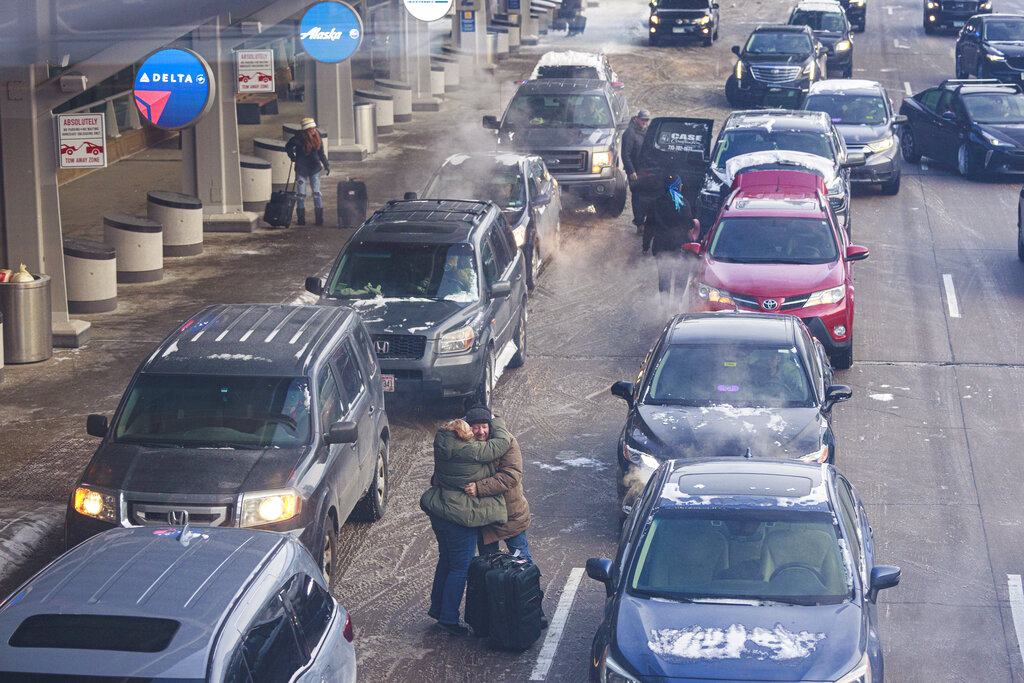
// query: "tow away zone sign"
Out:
[255,70]
[82,140]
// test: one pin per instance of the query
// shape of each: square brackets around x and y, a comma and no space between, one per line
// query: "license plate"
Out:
[388,381]
[679,29]
[958,24]
[773,90]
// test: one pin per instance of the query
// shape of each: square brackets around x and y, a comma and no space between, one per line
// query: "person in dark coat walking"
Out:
[306,149]
[669,225]
[632,142]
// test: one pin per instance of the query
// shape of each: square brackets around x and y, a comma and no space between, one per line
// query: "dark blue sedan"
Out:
[742,570]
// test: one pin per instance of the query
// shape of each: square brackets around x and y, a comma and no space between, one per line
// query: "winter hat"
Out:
[478,415]
[307,123]
[643,115]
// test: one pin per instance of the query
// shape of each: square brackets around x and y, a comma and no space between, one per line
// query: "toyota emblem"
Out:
[382,347]
[770,304]
[177,517]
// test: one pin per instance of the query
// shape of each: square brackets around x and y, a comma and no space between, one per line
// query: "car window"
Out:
[774,240]
[328,399]
[832,22]
[848,510]
[994,108]
[929,99]
[365,348]
[270,649]
[817,372]
[488,261]
[479,179]
[349,375]
[850,109]
[502,254]
[946,101]
[312,607]
[1004,30]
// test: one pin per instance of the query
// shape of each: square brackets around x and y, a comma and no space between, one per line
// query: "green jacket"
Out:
[457,463]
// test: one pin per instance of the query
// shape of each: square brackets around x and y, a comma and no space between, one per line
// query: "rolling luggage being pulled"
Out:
[279,210]
[503,601]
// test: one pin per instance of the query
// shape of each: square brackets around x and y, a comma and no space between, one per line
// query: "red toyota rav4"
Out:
[777,247]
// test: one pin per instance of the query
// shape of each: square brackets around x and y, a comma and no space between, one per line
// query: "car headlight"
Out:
[994,141]
[704,20]
[613,672]
[655,19]
[985,5]
[715,295]
[520,235]
[809,70]
[739,69]
[932,5]
[456,341]
[97,504]
[842,46]
[600,160]
[820,455]
[881,145]
[267,507]
[826,296]
[860,673]
[993,57]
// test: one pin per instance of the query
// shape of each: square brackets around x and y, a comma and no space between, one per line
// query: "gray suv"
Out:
[177,604]
[576,126]
[261,416]
[441,285]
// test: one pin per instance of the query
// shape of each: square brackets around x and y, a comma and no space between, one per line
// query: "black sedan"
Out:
[992,46]
[978,125]
[724,385]
[745,570]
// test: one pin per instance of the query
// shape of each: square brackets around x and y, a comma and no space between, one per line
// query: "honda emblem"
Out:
[770,304]
[177,517]
[382,347]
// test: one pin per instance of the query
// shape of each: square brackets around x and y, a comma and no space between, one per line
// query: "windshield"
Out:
[559,111]
[211,411]
[1004,30]
[832,22]
[736,141]
[866,110]
[406,271]
[768,43]
[781,239]
[500,183]
[995,108]
[684,4]
[742,554]
[745,376]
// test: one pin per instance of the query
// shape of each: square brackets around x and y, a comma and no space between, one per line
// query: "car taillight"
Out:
[347,630]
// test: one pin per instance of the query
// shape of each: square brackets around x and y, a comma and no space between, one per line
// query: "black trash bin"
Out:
[352,203]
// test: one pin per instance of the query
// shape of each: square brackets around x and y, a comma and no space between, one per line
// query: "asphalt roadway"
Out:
[930,439]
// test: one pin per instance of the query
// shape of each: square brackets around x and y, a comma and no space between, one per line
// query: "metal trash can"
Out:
[353,203]
[28,327]
[366,126]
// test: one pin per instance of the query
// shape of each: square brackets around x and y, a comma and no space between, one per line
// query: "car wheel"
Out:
[844,359]
[519,359]
[966,164]
[612,207]
[482,395]
[533,263]
[375,502]
[732,92]
[891,187]
[715,34]
[708,41]
[327,550]
[908,146]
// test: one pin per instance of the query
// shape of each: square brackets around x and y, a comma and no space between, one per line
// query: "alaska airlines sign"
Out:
[331,31]
[173,88]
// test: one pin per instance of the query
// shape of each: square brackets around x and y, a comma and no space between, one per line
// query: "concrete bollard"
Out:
[257,182]
[139,245]
[437,80]
[451,71]
[401,94]
[181,216]
[280,165]
[90,270]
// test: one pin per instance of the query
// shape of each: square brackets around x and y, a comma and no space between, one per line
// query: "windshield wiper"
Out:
[150,444]
[665,595]
[240,445]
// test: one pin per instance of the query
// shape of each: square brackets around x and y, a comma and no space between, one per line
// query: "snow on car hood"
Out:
[811,162]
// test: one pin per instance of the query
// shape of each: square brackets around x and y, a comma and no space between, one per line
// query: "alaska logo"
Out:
[317,33]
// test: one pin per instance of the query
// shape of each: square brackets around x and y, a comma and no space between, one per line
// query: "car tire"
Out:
[708,42]
[732,92]
[908,146]
[484,390]
[843,360]
[519,359]
[891,187]
[715,34]
[328,550]
[533,263]
[966,163]
[374,504]
[612,207]
[653,40]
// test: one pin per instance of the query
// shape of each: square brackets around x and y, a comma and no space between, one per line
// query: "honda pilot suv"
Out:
[259,416]
[775,67]
[442,287]
[576,126]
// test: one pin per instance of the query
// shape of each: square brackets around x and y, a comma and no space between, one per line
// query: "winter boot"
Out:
[319,215]
[300,216]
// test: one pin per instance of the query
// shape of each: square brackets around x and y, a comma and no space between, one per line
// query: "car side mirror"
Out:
[617,85]
[501,288]
[855,252]
[491,123]
[854,159]
[343,432]
[692,247]
[948,115]
[541,199]
[882,577]
[623,390]
[600,569]
[836,393]
[315,285]
[96,425]
[409,195]
[736,50]
[714,5]
[899,118]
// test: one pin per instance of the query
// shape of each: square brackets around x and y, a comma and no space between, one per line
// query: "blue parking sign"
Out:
[173,88]
[331,31]
[468,21]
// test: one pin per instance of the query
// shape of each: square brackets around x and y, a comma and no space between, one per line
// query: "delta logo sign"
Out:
[173,88]
[330,31]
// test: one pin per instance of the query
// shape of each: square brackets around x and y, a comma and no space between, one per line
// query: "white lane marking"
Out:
[1017,607]
[896,44]
[906,88]
[557,626]
[889,10]
[947,282]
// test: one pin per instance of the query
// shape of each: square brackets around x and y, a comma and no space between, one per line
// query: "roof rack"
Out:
[955,84]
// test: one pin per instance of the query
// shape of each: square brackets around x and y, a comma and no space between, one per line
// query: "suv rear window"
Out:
[406,271]
[95,632]
[833,22]
[567,71]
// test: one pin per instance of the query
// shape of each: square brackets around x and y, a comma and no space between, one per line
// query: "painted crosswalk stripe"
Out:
[947,282]
[557,626]
[1017,607]
[906,88]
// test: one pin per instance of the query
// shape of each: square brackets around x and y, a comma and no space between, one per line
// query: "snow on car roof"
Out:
[840,85]
[738,164]
[570,58]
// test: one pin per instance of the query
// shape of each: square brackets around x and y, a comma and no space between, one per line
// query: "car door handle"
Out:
[372,408]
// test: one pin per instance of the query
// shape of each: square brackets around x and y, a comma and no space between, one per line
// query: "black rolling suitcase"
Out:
[503,601]
[278,211]
[353,203]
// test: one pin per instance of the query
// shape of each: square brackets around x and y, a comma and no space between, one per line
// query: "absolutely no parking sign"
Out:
[173,88]
[331,31]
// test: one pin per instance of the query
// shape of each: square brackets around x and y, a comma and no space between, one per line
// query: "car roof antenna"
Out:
[186,532]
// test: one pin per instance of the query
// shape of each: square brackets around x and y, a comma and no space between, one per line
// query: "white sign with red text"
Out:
[255,70]
[82,139]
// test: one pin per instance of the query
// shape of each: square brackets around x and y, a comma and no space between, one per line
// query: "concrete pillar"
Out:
[417,58]
[330,101]
[528,30]
[209,150]
[471,14]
